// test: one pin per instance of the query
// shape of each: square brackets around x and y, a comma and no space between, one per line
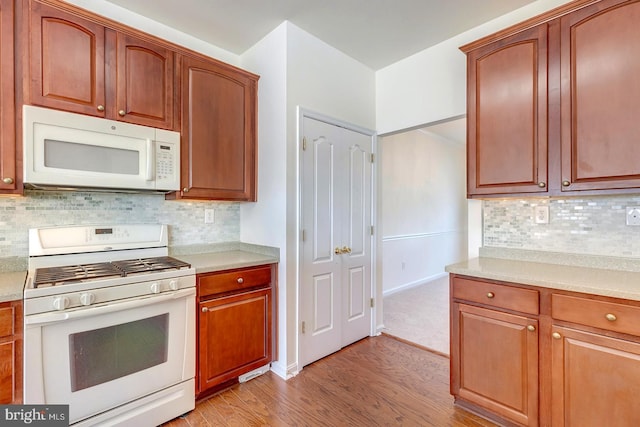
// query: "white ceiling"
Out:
[375,32]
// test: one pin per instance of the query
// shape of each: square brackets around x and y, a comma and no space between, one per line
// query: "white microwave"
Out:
[72,151]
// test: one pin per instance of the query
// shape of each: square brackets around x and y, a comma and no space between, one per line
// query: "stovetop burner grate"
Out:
[53,276]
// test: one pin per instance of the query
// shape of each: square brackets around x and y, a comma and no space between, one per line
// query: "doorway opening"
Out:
[423,221]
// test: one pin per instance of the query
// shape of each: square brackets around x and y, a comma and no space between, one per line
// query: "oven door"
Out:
[98,358]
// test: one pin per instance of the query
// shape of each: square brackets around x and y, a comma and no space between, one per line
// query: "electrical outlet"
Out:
[209,216]
[541,214]
[633,216]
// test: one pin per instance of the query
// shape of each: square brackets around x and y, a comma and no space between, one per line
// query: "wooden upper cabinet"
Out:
[507,115]
[219,113]
[81,66]
[144,82]
[8,176]
[66,61]
[600,88]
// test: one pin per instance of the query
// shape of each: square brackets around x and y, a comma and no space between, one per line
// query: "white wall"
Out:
[424,210]
[265,222]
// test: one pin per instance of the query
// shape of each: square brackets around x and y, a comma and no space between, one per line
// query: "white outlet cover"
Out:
[633,215]
[541,214]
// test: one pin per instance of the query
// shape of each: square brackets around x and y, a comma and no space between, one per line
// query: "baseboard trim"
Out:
[414,284]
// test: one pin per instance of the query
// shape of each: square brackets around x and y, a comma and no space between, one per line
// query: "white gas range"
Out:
[109,325]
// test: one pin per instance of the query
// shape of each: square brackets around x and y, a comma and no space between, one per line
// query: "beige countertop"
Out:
[12,285]
[217,261]
[610,282]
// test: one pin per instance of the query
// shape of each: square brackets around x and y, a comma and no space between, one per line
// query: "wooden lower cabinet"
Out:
[236,327]
[572,360]
[11,352]
[495,364]
[595,380]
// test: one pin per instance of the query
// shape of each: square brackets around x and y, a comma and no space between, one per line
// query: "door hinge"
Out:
[373,157]
[371,230]
[304,143]
[373,304]
[303,327]
[304,235]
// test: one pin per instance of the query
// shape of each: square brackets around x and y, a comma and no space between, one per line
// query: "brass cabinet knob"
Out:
[556,335]
[100,107]
[531,328]
[490,295]
[240,280]
[7,180]
[205,309]
[185,190]
[610,317]
[121,113]
[566,183]
[542,184]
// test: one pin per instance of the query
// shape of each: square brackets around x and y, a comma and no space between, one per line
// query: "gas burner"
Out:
[54,276]
[147,265]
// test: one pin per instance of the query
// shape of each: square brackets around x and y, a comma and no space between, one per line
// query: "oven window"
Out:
[105,354]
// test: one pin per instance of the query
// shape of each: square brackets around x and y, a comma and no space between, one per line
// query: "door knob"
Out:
[337,251]
[346,250]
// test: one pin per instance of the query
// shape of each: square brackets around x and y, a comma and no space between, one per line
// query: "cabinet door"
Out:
[235,336]
[595,380]
[507,115]
[601,96]
[66,61]
[219,131]
[494,362]
[11,353]
[144,82]
[7,101]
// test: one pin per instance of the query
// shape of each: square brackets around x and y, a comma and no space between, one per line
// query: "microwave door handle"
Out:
[150,160]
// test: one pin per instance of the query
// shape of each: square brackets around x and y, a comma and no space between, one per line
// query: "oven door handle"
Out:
[111,307]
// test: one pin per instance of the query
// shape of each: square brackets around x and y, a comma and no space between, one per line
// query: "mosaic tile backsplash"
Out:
[43,209]
[593,225]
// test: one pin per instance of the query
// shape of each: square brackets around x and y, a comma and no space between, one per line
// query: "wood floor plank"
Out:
[378,381]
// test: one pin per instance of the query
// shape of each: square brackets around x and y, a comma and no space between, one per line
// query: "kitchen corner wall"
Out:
[589,225]
[42,209]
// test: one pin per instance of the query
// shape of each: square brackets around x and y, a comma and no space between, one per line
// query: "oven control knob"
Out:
[155,288]
[87,298]
[173,285]
[60,303]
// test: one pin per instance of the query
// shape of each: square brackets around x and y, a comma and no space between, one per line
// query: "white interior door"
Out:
[335,286]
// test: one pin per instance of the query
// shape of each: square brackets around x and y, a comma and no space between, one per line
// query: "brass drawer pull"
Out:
[205,309]
[610,317]
[490,295]
[240,280]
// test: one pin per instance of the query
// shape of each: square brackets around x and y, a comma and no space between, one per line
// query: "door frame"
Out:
[376,293]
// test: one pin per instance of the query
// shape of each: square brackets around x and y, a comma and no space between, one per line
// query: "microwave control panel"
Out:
[167,166]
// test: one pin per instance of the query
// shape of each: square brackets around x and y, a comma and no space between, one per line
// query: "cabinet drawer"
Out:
[6,321]
[500,296]
[216,283]
[598,314]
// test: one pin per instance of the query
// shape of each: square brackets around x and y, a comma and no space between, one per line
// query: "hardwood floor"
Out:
[378,381]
